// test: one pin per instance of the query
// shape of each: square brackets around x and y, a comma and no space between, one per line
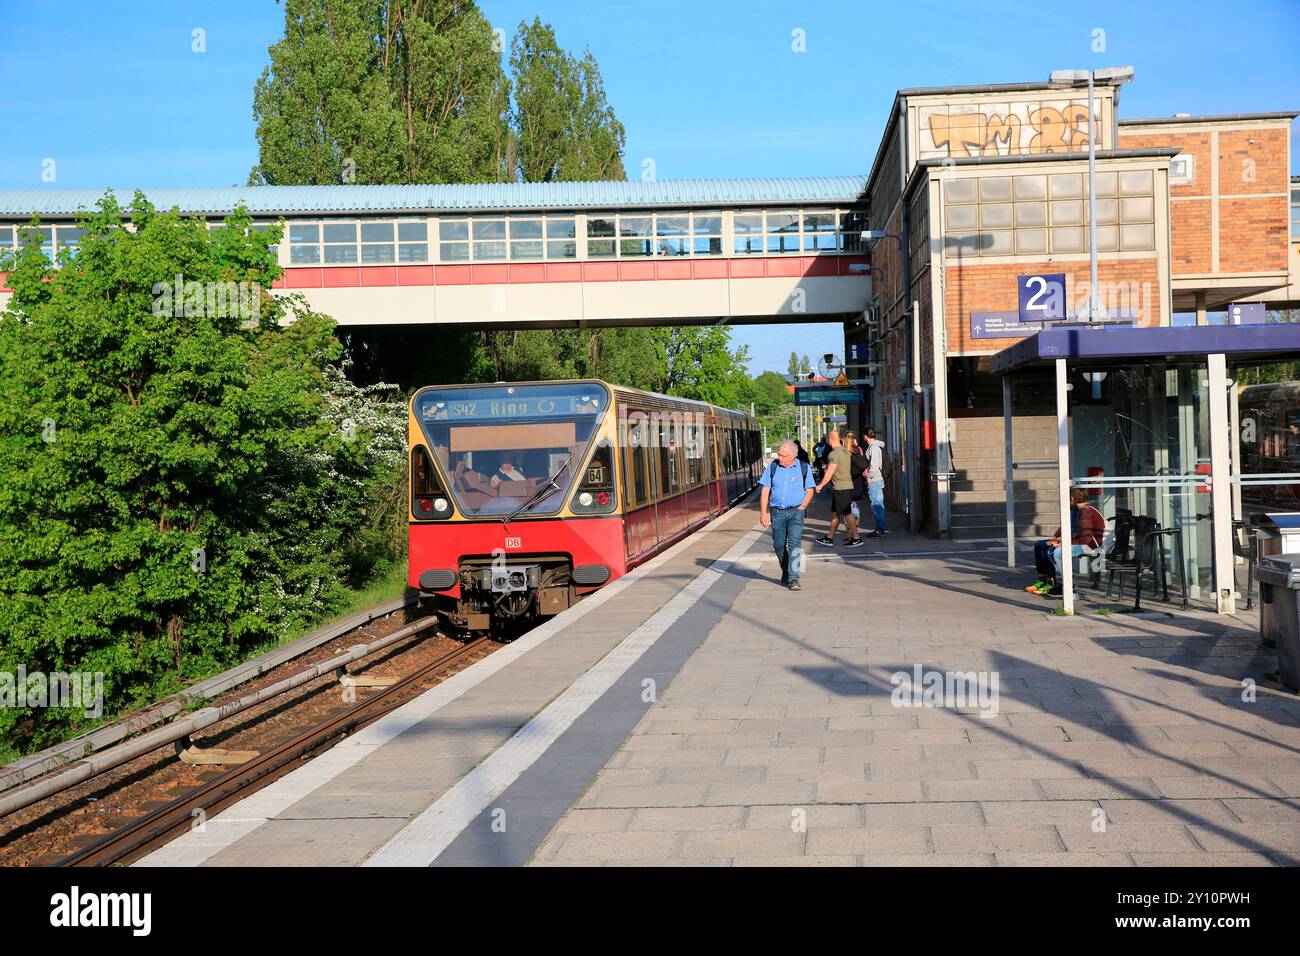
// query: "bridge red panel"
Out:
[489,274]
[672,270]
[529,272]
[600,272]
[636,271]
[746,268]
[346,278]
[415,275]
[378,276]
[453,275]
[303,278]
[563,272]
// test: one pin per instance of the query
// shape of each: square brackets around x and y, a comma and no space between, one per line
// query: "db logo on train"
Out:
[515,543]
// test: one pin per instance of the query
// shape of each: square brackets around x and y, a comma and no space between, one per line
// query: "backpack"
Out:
[885,469]
[771,471]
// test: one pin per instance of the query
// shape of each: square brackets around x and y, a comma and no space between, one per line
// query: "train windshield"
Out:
[507,447]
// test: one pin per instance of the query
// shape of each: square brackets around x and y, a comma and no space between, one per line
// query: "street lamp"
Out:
[1113,75]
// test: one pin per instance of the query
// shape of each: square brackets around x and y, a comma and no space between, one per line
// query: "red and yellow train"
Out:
[524,497]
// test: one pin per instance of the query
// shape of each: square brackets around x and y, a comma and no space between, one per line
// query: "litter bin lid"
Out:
[1284,520]
[1280,569]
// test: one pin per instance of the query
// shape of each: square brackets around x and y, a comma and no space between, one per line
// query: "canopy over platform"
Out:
[1122,345]
[1149,426]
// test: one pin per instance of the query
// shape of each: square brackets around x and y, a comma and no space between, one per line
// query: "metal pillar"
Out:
[942,447]
[1063,482]
[1221,486]
[1181,499]
[913,422]
[1009,482]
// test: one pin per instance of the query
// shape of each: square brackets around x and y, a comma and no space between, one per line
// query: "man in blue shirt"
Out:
[788,486]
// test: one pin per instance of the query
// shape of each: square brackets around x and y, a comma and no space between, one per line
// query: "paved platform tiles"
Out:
[697,713]
[369,798]
[1117,741]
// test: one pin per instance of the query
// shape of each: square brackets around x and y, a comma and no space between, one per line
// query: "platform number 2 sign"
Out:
[1042,298]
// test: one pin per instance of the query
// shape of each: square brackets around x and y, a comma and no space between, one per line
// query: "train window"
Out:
[708,452]
[503,447]
[694,455]
[669,457]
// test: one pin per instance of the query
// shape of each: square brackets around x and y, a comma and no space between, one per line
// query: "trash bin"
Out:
[1278,532]
[1279,611]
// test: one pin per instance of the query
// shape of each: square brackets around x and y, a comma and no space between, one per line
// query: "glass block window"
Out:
[1037,214]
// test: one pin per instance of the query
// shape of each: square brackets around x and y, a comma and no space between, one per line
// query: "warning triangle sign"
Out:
[841,380]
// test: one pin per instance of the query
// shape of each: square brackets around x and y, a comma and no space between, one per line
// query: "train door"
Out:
[638,508]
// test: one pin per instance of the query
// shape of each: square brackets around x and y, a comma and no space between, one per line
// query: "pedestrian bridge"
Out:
[537,254]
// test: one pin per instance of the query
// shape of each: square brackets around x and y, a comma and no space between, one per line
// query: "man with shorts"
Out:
[839,475]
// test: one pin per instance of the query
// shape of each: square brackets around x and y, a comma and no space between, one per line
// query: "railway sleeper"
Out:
[197,756]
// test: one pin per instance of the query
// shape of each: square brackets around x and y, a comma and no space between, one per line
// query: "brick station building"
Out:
[977,185]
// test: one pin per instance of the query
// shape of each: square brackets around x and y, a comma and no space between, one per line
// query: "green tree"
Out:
[793,368]
[383,91]
[770,391]
[565,129]
[176,491]
[698,362]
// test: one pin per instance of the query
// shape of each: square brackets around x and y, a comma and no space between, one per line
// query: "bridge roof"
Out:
[477,197]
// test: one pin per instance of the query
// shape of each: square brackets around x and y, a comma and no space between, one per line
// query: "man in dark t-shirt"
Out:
[839,475]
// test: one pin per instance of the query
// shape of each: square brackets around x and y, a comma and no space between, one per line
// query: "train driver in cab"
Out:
[506,471]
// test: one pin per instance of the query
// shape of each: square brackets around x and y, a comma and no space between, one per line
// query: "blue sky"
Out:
[115,95]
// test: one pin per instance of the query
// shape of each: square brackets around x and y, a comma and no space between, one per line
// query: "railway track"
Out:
[165,823]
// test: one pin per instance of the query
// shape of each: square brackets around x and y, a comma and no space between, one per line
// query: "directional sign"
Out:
[1007,325]
[822,395]
[1042,298]
[1000,325]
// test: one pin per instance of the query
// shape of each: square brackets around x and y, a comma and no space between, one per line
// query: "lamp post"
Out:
[1114,75]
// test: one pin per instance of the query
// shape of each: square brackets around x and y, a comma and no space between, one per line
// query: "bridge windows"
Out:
[791,231]
[453,240]
[489,239]
[340,241]
[600,236]
[561,237]
[536,237]
[635,236]
[412,241]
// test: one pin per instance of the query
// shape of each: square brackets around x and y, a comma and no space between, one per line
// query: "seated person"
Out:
[1087,528]
[506,471]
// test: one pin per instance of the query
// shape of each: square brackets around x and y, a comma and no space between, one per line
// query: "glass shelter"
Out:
[1161,429]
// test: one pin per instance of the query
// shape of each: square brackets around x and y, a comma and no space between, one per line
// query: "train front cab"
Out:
[514,507]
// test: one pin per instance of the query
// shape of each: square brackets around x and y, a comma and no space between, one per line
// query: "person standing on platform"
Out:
[787,485]
[839,475]
[875,478]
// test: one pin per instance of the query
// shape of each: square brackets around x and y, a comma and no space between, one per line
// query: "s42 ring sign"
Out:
[1042,298]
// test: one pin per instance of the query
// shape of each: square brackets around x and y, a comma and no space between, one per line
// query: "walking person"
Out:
[839,475]
[787,485]
[875,479]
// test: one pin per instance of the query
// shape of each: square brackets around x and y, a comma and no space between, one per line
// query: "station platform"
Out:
[695,712]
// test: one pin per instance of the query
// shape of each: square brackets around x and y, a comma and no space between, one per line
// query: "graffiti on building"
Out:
[1007,130]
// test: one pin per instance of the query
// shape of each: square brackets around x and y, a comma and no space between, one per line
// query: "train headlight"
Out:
[440,504]
[585,499]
